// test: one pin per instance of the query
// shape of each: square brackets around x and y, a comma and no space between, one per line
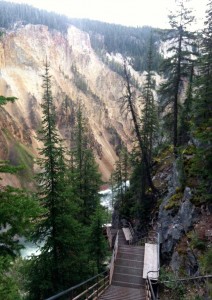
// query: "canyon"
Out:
[78,75]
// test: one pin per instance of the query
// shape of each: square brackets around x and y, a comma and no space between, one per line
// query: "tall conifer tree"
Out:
[128,103]
[202,110]
[177,65]
[203,103]
[60,262]
[86,178]
[17,210]
[149,114]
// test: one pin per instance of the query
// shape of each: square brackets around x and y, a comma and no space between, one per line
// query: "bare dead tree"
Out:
[128,104]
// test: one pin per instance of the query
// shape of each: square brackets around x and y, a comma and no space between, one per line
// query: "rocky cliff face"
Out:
[77,75]
[184,226]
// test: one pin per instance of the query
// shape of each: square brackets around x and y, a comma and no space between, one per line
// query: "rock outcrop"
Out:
[176,222]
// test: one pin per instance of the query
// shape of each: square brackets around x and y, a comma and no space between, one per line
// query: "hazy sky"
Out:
[126,12]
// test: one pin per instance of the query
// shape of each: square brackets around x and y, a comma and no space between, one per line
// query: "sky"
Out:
[126,12]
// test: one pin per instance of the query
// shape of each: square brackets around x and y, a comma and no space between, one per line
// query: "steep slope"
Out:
[77,75]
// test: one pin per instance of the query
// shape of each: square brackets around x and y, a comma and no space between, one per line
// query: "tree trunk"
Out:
[144,156]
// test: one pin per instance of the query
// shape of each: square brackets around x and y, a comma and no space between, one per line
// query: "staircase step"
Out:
[128,270]
[122,293]
[127,284]
[133,256]
[127,278]
[129,263]
[131,247]
[122,241]
[127,281]
[131,250]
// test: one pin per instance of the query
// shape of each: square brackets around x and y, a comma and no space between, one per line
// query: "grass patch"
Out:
[26,160]
[19,155]
[174,201]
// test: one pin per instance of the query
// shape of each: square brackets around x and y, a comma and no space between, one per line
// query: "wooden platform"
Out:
[127,234]
[150,261]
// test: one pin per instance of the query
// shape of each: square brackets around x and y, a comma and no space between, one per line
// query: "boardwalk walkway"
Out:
[131,272]
[127,281]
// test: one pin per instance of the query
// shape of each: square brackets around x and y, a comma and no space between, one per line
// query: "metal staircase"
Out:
[120,293]
[125,281]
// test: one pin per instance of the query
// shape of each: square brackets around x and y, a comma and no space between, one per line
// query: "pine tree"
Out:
[18,209]
[180,48]
[121,175]
[84,181]
[85,177]
[97,243]
[185,115]
[149,115]
[202,111]
[4,100]
[59,264]
[128,103]
[202,105]
[49,178]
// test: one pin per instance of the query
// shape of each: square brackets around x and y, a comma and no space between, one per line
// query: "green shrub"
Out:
[196,242]
[206,261]
[174,201]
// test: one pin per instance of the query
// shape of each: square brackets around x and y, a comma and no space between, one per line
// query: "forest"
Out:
[65,211]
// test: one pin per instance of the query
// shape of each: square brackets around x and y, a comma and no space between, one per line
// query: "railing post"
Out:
[97,286]
[71,295]
[86,288]
[115,250]
[104,285]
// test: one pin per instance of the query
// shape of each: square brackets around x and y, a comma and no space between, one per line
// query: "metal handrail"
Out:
[144,240]
[98,290]
[187,278]
[150,296]
[115,251]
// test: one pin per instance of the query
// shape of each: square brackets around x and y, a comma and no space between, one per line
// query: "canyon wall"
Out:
[77,73]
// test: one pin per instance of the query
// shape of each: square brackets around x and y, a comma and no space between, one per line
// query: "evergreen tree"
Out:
[60,262]
[49,179]
[18,209]
[84,174]
[202,106]
[84,181]
[128,102]
[118,180]
[176,67]
[15,13]
[121,175]
[202,112]
[185,115]
[149,114]
[4,100]
[97,243]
